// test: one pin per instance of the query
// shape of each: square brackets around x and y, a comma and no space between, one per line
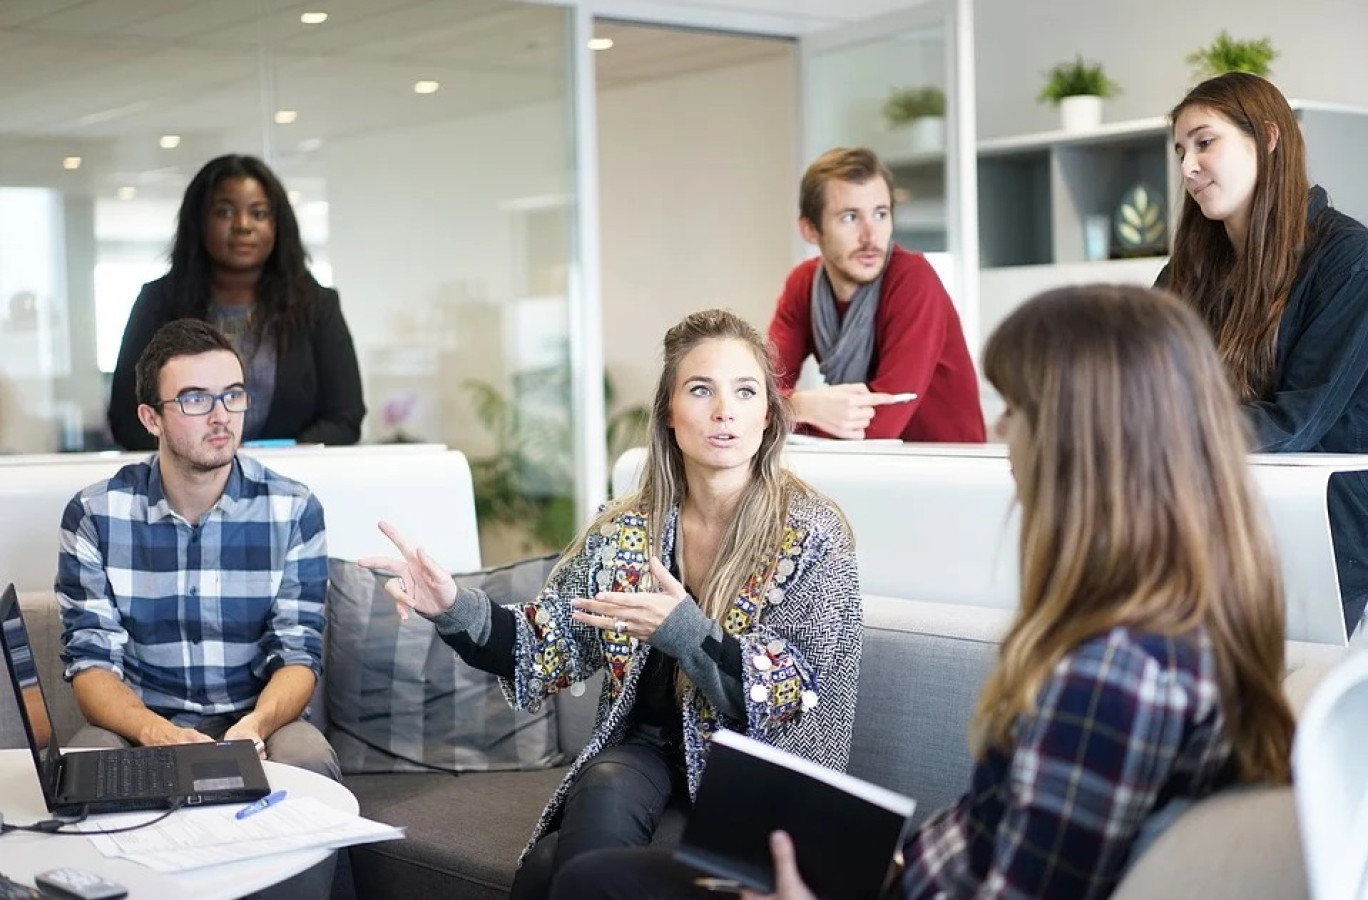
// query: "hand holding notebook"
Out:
[845,831]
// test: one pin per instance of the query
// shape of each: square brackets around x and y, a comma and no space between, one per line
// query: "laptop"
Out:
[139,778]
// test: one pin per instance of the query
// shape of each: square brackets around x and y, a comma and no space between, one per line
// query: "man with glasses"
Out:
[192,584]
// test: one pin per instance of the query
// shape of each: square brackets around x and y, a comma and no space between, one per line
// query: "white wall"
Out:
[698,206]
[1321,45]
[425,256]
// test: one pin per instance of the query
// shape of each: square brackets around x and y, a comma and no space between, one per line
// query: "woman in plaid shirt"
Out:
[1144,664]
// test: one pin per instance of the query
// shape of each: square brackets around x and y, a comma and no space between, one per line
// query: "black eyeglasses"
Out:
[201,403]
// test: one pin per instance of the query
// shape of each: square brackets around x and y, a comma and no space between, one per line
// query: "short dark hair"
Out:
[181,337]
[854,164]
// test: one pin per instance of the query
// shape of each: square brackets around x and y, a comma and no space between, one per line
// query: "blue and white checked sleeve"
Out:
[295,636]
[92,630]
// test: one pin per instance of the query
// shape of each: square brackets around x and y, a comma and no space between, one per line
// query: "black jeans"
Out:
[629,873]
[616,802]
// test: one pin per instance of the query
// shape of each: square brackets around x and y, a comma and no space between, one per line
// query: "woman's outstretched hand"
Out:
[419,583]
[788,884]
[638,614]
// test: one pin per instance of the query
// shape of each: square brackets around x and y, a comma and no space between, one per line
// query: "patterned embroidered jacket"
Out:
[801,637]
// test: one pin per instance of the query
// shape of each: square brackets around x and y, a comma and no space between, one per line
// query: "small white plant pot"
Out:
[926,135]
[1082,112]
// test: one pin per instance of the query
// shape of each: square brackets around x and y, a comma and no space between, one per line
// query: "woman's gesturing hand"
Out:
[637,615]
[419,583]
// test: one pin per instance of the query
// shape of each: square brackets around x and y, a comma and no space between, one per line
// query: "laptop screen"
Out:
[28,690]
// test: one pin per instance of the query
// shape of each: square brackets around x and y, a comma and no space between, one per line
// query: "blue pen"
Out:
[270,799]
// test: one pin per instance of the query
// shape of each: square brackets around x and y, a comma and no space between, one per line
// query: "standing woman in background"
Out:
[238,262]
[1281,279]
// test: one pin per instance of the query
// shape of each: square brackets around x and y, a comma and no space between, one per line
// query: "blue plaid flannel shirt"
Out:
[1127,722]
[195,619]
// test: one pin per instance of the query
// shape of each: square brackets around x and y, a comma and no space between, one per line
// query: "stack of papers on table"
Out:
[207,836]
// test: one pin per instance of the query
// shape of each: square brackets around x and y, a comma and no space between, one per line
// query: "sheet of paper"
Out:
[191,838]
[812,440]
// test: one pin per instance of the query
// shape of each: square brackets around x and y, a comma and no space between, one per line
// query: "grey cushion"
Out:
[917,696]
[464,833]
[400,700]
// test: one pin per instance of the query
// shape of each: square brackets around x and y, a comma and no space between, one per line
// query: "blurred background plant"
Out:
[906,105]
[1225,54]
[525,488]
[1077,79]
[395,412]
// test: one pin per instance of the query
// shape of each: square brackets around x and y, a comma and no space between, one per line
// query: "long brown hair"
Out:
[1242,292]
[1137,507]
[752,537]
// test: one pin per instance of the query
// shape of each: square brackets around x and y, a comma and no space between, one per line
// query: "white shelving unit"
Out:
[1035,192]
[920,215]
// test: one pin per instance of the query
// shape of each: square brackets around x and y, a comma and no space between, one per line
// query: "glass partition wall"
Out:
[428,149]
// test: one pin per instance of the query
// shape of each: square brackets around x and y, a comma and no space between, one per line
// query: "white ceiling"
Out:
[103,79]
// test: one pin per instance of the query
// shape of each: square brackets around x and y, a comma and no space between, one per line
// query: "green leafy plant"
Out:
[1075,79]
[528,482]
[906,105]
[1225,54]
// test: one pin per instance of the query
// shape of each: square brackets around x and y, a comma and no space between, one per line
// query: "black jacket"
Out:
[317,385]
[1319,401]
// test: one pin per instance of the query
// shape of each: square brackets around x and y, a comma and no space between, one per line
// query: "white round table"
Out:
[24,854]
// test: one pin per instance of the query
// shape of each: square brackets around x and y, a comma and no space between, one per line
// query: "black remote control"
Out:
[79,884]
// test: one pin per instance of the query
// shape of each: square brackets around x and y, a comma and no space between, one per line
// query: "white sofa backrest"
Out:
[424,490]
[938,523]
[933,528]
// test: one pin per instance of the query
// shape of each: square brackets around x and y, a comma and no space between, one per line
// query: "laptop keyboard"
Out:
[145,772]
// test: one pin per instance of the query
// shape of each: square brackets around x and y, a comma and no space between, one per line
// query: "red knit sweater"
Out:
[918,347]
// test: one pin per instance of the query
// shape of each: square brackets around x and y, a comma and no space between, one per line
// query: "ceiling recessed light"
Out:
[309,145]
[126,192]
[285,116]
[600,43]
[426,87]
[294,197]
[313,18]
[71,163]
[169,141]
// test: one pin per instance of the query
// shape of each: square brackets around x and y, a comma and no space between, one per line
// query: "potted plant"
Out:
[920,112]
[1225,54]
[1078,89]
[525,489]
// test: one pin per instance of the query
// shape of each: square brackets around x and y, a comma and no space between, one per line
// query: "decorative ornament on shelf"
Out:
[920,114]
[395,413]
[1078,89]
[1225,54]
[1139,221]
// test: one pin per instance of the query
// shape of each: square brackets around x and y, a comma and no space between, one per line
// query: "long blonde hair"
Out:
[752,537]
[1137,507]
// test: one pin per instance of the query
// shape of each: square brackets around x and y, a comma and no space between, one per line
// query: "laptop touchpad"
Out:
[216,775]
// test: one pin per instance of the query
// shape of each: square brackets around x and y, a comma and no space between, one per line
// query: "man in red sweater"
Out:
[875,316]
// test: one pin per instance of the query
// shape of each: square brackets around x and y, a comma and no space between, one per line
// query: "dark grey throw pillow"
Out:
[400,700]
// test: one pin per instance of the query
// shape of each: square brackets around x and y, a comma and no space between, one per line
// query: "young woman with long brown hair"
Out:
[723,593]
[1281,279]
[1144,664]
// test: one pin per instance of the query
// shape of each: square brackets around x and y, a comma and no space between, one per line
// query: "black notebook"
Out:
[845,830]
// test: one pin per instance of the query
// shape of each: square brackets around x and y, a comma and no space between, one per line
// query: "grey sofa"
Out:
[923,664]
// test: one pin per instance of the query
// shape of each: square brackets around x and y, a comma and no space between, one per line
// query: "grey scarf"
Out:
[846,346]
